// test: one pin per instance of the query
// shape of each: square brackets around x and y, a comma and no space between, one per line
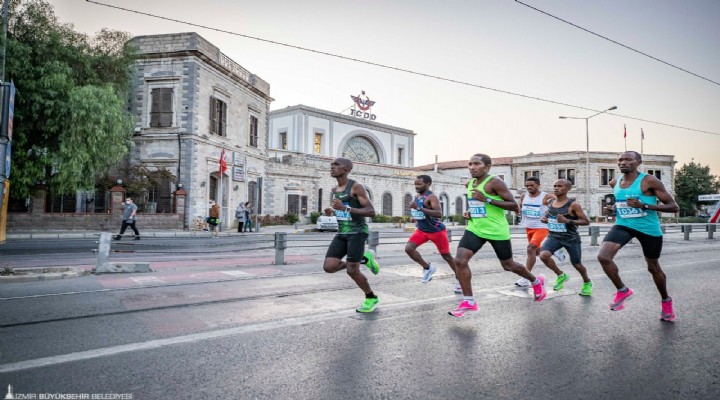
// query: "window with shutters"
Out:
[253,131]
[218,117]
[387,204]
[283,141]
[567,173]
[655,172]
[606,175]
[459,202]
[161,108]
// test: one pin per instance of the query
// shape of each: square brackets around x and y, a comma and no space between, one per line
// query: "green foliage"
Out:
[291,218]
[380,219]
[138,181]
[71,120]
[692,180]
[314,216]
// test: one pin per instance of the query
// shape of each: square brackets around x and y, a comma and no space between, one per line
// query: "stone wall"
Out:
[25,222]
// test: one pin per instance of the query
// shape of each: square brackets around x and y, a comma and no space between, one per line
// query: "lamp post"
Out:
[587,154]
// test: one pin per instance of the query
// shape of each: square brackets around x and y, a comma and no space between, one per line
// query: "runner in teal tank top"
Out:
[487,199]
[351,204]
[638,200]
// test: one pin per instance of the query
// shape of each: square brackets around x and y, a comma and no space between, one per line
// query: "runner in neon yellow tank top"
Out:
[638,199]
[488,198]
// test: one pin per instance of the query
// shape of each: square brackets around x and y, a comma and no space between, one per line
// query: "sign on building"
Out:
[362,107]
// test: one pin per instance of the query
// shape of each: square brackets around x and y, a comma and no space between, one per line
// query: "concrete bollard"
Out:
[594,233]
[686,231]
[711,230]
[280,246]
[373,241]
[449,235]
[103,252]
[663,229]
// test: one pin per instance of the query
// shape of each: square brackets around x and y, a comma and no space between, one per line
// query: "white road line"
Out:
[263,326]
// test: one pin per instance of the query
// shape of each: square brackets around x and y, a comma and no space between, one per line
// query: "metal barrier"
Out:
[594,233]
[373,241]
[711,230]
[280,246]
[686,231]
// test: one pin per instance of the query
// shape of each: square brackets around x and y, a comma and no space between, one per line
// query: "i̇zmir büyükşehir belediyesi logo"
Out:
[364,105]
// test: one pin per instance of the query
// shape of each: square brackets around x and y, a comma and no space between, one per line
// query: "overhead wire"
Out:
[426,75]
[616,42]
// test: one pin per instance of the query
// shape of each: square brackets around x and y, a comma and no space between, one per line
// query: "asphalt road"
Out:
[223,327]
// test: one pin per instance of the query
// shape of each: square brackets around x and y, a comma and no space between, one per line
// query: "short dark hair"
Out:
[425,178]
[484,157]
[533,179]
[637,155]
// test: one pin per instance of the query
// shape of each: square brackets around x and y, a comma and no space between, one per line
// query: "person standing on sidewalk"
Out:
[351,204]
[563,217]
[425,210]
[248,220]
[240,216]
[214,218]
[533,206]
[129,218]
[488,198]
[638,198]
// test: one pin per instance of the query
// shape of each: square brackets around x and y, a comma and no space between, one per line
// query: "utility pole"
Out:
[5,130]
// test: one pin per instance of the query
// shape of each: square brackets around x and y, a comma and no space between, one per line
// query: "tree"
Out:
[692,180]
[71,119]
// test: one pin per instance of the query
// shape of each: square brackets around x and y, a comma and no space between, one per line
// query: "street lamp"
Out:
[587,154]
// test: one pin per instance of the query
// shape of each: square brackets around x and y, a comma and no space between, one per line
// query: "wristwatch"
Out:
[489,201]
[645,206]
[347,208]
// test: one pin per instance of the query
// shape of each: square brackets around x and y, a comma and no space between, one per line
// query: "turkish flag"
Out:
[223,163]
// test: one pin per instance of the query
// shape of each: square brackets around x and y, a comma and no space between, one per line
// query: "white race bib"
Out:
[531,212]
[417,214]
[556,226]
[624,211]
[477,208]
[342,215]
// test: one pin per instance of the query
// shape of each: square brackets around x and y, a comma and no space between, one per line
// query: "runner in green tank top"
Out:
[488,198]
[351,204]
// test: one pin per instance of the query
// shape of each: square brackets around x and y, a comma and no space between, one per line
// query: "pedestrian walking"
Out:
[248,217]
[214,219]
[129,219]
[638,199]
[351,204]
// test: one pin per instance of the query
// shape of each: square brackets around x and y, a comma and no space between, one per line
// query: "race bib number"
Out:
[477,208]
[417,214]
[342,215]
[531,212]
[624,211]
[556,226]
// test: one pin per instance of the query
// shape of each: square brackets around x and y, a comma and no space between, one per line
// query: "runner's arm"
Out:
[668,202]
[430,207]
[366,209]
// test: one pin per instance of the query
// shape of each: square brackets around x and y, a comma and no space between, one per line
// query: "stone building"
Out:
[191,102]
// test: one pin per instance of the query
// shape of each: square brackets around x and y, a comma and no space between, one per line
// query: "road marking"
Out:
[236,274]
[262,326]
[146,280]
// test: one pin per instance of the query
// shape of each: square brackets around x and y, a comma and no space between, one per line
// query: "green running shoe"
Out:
[586,289]
[371,263]
[368,305]
[560,281]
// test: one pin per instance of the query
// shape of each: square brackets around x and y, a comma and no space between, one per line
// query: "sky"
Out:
[499,44]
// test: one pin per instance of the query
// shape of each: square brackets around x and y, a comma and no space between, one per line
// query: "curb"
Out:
[43,273]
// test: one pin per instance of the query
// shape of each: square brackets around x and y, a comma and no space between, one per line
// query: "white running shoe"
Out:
[428,273]
[522,282]
[458,288]
[560,255]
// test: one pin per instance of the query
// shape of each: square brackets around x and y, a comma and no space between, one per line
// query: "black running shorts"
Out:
[651,245]
[472,242]
[350,245]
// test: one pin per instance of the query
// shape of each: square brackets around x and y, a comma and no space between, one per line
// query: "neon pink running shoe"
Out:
[618,302]
[667,311]
[539,289]
[464,309]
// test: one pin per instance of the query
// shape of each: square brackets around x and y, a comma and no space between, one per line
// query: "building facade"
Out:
[192,104]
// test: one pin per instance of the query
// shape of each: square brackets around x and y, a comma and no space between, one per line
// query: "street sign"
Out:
[709,197]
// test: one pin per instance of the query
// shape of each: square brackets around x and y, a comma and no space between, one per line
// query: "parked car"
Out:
[327,223]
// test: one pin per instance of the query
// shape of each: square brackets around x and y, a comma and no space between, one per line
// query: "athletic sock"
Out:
[469,299]
[536,281]
[428,267]
[623,289]
[666,300]
[370,295]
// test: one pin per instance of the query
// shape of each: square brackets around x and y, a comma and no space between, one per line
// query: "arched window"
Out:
[361,149]
[406,203]
[444,204]
[459,203]
[387,204]
[252,192]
